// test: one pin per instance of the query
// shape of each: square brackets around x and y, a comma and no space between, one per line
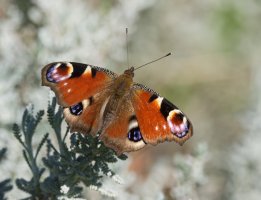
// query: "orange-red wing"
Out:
[73,82]
[85,116]
[159,120]
[116,131]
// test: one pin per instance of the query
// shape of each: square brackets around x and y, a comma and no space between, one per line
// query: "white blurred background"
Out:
[214,76]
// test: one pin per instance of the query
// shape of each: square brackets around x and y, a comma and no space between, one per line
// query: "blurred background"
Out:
[214,76]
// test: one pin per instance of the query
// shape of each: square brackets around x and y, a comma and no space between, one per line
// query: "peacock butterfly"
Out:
[127,115]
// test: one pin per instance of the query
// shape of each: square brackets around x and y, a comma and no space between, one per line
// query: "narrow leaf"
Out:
[40,145]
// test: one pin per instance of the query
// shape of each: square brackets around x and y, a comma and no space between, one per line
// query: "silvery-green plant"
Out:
[85,160]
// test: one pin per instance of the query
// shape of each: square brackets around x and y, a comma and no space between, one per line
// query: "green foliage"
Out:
[5,185]
[84,161]
[29,124]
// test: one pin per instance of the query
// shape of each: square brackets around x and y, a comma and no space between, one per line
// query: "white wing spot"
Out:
[85,103]
[133,124]
[88,70]
[164,127]
[159,100]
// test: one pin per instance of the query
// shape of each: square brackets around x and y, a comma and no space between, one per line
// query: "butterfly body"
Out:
[128,115]
[119,92]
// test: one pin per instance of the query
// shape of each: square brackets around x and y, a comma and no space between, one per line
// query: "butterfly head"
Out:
[129,72]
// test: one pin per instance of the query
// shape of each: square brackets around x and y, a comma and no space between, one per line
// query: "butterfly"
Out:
[127,115]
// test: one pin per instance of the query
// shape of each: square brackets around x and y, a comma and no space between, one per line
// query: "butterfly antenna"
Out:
[152,61]
[127,47]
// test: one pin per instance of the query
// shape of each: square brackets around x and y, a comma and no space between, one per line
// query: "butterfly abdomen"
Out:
[121,87]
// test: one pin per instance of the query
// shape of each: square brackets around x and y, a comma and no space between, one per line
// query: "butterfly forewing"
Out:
[159,119]
[73,82]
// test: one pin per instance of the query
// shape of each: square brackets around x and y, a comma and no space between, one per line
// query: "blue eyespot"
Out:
[135,134]
[185,131]
[49,74]
[76,109]
[58,72]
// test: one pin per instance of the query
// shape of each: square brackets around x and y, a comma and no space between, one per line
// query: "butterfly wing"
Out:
[72,82]
[82,90]
[159,120]
[144,117]
[121,132]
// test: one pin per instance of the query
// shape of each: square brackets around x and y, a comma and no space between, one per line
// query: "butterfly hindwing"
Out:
[86,116]
[122,133]
[159,119]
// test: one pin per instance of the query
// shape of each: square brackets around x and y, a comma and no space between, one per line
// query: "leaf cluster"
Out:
[86,160]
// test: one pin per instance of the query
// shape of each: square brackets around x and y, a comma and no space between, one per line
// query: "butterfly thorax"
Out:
[122,84]
[120,91]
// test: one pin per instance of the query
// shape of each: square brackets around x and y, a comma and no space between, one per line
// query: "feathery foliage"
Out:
[5,185]
[84,161]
